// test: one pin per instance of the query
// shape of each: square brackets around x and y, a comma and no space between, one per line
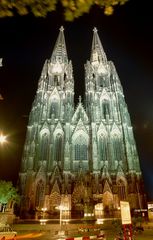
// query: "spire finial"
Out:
[80,99]
[61,29]
[95,30]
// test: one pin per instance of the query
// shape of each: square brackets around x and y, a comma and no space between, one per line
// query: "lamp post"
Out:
[44,210]
[43,220]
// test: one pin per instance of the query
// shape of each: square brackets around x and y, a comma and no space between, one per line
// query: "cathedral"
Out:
[79,158]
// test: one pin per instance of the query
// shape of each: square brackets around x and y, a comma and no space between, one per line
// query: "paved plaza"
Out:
[50,231]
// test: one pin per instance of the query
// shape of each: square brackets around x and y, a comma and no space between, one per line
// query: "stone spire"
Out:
[97,51]
[60,53]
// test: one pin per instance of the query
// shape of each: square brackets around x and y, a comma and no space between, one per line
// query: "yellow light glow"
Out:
[62,207]
[100,221]
[2,139]
[43,221]
[44,209]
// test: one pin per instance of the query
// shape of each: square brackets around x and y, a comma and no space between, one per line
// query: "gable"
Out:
[80,114]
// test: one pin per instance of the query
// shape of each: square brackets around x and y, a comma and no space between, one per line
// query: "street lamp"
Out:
[44,210]
[43,220]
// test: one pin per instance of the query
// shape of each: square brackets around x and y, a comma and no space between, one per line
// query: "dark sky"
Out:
[25,43]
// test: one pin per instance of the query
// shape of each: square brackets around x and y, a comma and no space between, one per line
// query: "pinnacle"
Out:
[95,30]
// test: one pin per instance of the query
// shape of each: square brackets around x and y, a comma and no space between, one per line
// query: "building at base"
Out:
[81,159]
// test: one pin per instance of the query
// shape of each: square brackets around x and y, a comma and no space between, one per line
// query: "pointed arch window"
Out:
[106,109]
[103,148]
[94,57]
[56,80]
[54,108]
[44,147]
[40,193]
[80,148]
[69,97]
[81,153]
[121,190]
[117,147]
[100,81]
[58,147]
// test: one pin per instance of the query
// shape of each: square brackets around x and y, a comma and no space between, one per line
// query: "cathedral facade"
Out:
[81,158]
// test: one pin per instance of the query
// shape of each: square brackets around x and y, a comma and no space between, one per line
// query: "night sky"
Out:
[25,43]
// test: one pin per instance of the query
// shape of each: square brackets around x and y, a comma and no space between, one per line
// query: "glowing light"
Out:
[43,221]
[44,209]
[100,221]
[61,208]
[2,139]
[89,214]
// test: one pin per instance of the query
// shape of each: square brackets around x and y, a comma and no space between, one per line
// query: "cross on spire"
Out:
[61,29]
[95,30]
[80,98]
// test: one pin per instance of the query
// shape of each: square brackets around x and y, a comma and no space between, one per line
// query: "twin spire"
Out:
[97,51]
[60,53]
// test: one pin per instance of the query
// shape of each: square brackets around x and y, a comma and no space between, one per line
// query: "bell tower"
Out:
[114,155]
